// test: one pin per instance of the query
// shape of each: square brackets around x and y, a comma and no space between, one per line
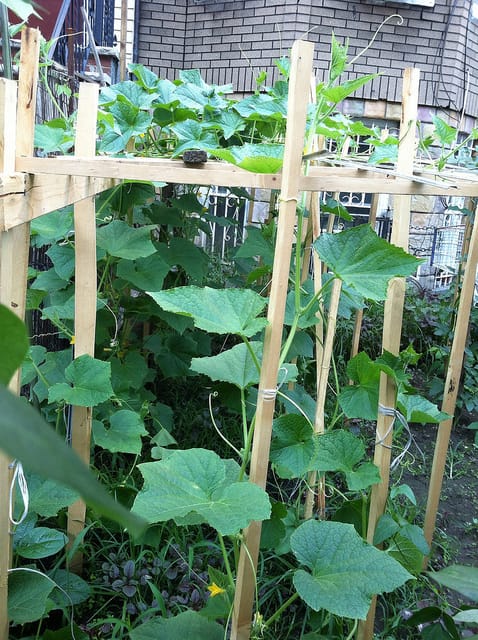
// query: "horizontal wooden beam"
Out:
[150,169]
[12,183]
[44,193]
[320,178]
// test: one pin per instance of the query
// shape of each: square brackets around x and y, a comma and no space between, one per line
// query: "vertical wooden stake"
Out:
[301,67]
[392,323]
[17,125]
[123,39]
[8,114]
[452,384]
[85,295]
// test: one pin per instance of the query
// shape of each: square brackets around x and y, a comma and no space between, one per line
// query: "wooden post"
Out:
[452,384]
[392,324]
[16,126]
[8,114]
[123,39]
[301,67]
[85,295]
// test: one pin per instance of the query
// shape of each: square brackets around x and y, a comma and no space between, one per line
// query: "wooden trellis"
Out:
[31,187]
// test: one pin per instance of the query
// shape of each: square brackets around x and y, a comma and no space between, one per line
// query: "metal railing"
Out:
[71,46]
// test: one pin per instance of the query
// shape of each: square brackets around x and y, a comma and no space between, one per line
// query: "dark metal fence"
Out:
[71,47]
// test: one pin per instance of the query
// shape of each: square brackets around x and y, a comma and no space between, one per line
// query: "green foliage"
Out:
[364,261]
[216,310]
[346,587]
[27,437]
[13,344]
[178,628]
[197,486]
[175,358]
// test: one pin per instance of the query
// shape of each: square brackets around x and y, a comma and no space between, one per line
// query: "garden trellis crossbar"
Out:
[31,187]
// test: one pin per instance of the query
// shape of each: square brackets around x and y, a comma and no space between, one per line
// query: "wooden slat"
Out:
[8,107]
[321,178]
[452,383]
[301,67]
[392,326]
[42,194]
[85,298]
[17,125]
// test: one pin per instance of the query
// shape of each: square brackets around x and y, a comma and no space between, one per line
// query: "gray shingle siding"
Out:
[234,40]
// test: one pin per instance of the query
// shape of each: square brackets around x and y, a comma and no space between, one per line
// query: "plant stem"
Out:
[354,629]
[281,609]
[244,419]
[247,449]
[226,560]
[252,354]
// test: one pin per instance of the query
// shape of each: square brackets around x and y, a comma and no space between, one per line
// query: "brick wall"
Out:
[231,41]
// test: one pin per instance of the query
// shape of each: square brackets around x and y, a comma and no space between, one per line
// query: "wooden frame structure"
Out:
[31,187]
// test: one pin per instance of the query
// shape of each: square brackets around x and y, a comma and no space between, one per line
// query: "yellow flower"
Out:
[215,590]
[72,340]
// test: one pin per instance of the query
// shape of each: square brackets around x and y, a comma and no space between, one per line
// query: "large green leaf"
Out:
[407,553]
[256,244]
[216,310]
[123,241]
[342,451]
[460,578]
[297,400]
[124,433]
[360,400]
[184,253]
[444,132]
[146,78]
[52,226]
[188,624]
[26,436]
[40,542]
[192,135]
[52,139]
[235,365]
[238,367]
[52,370]
[77,590]
[293,445]
[63,258]
[343,90]
[91,380]
[28,592]
[262,107]
[146,274]
[48,497]
[338,58]
[418,409]
[126,92]
[130,119]
[345,572]
[260,158]
[13,343]
[363,260]
[129,373]
[196,482]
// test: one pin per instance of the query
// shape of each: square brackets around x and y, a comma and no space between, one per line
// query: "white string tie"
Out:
[396,415]
[270,394]
[18,477]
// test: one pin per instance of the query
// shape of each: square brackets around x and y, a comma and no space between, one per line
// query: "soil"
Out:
[456,533]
